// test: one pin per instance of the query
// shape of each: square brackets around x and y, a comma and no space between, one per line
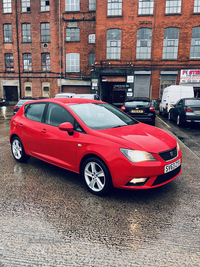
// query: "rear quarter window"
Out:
[35,111]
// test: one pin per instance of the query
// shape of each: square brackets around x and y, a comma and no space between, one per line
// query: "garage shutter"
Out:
[141,86]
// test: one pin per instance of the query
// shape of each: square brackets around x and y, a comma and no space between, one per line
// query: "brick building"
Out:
[116,48]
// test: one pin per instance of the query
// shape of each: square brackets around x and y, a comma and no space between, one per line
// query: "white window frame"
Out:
[170,44]
[72,5]
[91,38]
[7,6]
[114,8]
[144,35]
[72,62]
[195,43]
[145,7]
[26,6]
[173,6]
[196,6]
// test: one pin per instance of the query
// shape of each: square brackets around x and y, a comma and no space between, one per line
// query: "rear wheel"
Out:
[18,150]
[178,120]
[169,116]
[96,176]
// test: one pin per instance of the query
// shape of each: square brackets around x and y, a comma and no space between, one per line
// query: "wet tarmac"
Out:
[48,218]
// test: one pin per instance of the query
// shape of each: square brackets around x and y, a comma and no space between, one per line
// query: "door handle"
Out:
[20,125]
[43,130]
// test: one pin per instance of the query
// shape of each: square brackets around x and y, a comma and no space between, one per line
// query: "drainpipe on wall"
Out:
[60,47]
[16,17]
[153,37]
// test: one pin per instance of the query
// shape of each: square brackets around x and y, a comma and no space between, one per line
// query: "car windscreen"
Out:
[192,102]
[101,116]
[137,103]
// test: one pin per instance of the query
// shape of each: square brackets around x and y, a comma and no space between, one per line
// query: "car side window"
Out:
[57,114]
[35,111]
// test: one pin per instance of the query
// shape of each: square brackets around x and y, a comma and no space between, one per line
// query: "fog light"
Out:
[138,180]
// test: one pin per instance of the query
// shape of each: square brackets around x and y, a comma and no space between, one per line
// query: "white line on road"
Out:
[163,122]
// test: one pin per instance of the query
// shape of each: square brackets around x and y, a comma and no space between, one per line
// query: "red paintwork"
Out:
[57,147]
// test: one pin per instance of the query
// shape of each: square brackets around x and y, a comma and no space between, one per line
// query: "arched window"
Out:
[113,44]
[143,43]
[170,43]
[195,43]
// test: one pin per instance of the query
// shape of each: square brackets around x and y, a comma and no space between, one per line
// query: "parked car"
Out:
[171,95]
[93,138]
[21,102]
[186,110]
[67,95]
[3,102]
[140,108]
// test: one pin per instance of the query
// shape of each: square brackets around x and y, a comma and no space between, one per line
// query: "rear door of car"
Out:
[29,127]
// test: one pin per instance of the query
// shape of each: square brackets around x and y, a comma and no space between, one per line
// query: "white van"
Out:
[171,95]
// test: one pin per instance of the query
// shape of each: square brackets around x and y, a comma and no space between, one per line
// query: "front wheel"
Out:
[18,150]
[96,176]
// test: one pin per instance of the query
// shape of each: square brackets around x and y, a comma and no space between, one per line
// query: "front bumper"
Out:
[123,171]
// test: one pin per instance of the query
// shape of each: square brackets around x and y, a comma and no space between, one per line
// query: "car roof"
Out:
[138,98]
[68,100]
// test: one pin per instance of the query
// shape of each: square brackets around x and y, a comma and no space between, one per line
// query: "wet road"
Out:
[47,218]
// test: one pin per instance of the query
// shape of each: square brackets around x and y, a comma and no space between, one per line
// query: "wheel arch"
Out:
[91,155]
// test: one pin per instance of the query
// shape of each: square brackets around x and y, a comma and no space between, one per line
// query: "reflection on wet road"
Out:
[47,218]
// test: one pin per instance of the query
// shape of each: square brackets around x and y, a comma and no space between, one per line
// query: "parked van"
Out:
[171,95]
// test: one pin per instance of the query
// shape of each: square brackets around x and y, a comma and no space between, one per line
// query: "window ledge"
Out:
[173,14]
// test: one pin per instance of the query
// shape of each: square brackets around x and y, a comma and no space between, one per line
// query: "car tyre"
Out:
[178,120]
[18,150]
[96,176]
[169,116]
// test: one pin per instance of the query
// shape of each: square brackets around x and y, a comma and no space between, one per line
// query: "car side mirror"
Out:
[67,127]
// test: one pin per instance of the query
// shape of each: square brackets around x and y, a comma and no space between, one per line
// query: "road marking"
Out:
[164,122]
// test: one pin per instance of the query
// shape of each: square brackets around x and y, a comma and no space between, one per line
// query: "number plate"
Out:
[172,166]
[136,111]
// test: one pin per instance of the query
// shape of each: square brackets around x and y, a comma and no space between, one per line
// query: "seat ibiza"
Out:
[98,141]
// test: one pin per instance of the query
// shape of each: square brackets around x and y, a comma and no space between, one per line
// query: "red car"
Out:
[106,146]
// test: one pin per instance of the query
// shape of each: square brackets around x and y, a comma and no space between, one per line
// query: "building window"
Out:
[45,62]
[44,5]
[7,33]
[26,6]
[113,44]
[196,6]
[72,5]
[91,39]
[72,34]
[7,6]
[26,33]
[170,44]
[27,62]
[145,7]
[195,43]
[45,32]
[91,59]
[114,8]
[173,6]
[143,43]
[73,62]
[92,5]
[9,62]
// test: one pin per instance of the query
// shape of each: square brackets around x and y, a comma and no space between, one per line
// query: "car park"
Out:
[95,139]
[140,108]
[186,110]
[3,102]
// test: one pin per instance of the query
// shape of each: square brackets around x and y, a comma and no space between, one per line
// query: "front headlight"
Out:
[137,155]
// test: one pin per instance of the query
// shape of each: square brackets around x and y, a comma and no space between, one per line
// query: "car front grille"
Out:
[169,154]
[166,177]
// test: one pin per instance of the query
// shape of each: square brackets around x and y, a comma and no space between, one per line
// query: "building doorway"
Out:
[11,93]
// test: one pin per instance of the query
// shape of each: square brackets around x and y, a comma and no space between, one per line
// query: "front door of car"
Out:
[58,147]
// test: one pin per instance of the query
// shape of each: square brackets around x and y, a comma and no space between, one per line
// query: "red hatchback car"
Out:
[93,138]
